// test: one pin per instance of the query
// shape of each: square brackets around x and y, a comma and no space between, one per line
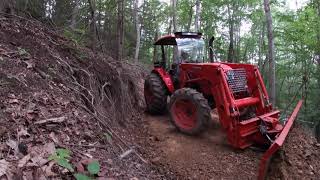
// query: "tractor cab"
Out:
[188,47]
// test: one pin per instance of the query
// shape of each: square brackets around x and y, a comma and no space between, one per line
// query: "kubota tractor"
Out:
[195,87]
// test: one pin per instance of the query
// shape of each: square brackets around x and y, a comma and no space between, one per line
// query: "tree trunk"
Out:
[108,42]
[174,24]
[92,7]
[170,26]
[244,57]
[138,30]
[231,33]
[120,28]
[317,56]
[60,14]
[238,38]
[261,42]
[7,6]
[174,16]
[318,35]
[155,50]
[197,17]
[271,53]
[74,15]
[99,17]
[190,18]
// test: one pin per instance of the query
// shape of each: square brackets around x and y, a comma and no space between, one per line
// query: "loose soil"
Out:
[203,157]
[299,157]
[210,157]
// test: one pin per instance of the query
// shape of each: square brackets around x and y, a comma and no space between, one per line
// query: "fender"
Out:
[165,77]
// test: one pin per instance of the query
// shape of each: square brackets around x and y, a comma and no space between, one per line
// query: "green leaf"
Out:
[108,137]
[61,158]
[66,164]
[22,51]
[63,153]
[53,157]
[81,177]
[94,167]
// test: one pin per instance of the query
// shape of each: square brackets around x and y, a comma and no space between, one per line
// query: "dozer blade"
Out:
[264,162]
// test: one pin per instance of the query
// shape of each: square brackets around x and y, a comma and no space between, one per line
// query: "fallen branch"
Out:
[87,145]
[125,154]
[128,152]
[52,120]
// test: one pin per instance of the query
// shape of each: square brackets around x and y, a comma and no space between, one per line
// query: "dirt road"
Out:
[204,157]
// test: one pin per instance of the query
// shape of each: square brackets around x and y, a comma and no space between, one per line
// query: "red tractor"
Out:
[195,87]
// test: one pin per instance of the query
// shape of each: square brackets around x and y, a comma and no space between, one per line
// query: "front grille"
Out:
[237,80]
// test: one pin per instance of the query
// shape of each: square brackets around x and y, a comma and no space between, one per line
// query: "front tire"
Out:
[189,111]
[155,94]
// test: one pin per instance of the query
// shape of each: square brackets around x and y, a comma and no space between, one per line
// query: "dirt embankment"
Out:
[55,94]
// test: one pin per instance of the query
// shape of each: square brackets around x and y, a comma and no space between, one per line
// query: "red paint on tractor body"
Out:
[165,77]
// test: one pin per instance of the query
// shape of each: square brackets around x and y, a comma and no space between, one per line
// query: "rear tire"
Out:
[155,94]
[189,111]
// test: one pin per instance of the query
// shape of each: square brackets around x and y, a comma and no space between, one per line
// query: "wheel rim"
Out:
[148,94]
[184,113]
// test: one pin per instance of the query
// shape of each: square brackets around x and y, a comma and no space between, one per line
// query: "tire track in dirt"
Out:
[207,156]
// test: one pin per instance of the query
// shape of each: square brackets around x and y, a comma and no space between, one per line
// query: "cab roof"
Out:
[171,38]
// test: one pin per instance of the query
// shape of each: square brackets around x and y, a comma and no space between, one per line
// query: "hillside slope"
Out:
[54,94]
